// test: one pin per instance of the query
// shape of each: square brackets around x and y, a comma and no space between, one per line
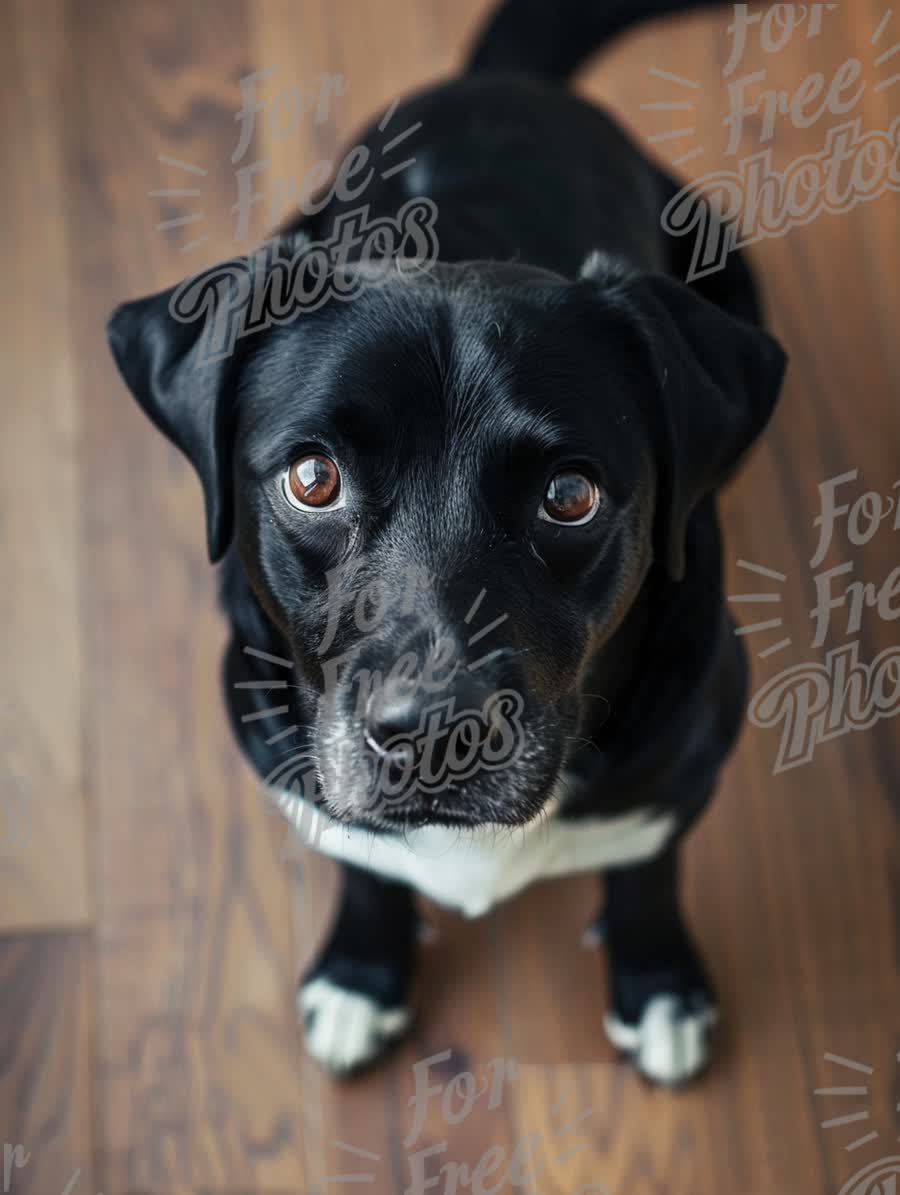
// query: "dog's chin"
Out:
[464,808]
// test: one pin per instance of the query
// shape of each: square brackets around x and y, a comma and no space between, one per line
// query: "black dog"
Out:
[469,517]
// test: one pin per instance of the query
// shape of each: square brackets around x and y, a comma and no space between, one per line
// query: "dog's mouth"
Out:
[492,781]
[423,811]
[429,815]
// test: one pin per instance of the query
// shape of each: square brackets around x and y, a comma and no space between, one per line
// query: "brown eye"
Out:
[313,482]
[571,497]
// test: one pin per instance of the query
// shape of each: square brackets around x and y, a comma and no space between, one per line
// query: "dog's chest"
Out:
[474,870]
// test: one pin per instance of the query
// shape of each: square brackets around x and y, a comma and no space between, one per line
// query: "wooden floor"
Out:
[153,917]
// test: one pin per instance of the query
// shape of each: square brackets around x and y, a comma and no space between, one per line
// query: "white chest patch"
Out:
[472,870]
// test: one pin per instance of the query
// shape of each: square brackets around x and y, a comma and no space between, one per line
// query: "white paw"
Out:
[669,1045]
[345,1030]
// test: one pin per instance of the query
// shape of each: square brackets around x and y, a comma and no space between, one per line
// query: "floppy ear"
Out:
[165,348]
[717,381]
[179,354]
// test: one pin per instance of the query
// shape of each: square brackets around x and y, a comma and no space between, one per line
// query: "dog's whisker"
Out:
[282,734]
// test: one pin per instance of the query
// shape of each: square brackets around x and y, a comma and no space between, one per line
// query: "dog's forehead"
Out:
[450,343]
[438,369]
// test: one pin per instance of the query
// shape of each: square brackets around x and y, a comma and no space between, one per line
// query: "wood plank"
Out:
[196,1043]
[42,800]
[45,1069]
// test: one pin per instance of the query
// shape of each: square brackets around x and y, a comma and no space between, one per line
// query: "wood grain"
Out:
[45,1063]
[43,798]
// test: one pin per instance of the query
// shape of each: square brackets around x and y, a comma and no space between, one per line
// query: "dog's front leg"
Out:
[354,999]
[663,1007]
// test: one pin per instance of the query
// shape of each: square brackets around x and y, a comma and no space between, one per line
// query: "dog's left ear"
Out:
[159,356]
[716,380]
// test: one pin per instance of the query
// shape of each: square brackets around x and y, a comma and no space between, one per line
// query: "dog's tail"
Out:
[551,38]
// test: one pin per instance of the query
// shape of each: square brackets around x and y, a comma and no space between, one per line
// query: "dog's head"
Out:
[446,496]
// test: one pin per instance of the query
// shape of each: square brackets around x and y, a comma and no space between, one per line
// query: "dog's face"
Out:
[446,496]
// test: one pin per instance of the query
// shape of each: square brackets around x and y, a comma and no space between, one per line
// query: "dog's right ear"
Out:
[179,354]
[164,356]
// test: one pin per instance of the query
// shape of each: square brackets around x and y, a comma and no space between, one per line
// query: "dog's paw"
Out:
[671,1042]
[346,1030]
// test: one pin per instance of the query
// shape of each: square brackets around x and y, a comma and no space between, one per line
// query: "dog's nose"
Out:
[410,727]
[391,722]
